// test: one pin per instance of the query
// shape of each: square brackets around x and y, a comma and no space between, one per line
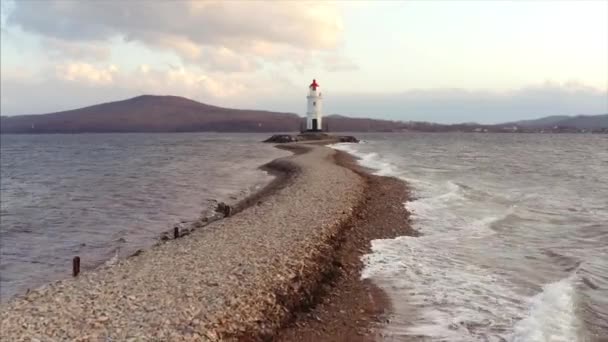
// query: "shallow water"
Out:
[103,196]
[514,236]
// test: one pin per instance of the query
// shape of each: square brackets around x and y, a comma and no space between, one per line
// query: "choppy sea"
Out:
[103,196]
[514,236]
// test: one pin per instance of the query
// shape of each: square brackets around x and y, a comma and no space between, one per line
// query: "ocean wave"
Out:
[454,300]
[478,271]
[371,160]
[552,315]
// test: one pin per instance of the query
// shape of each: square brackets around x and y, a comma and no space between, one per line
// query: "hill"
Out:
[562,122]
[340,123]
[585,122]
[149,113]
[578,122]
[548,121]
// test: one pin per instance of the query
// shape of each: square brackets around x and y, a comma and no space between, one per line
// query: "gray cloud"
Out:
[213,22]
[198,31]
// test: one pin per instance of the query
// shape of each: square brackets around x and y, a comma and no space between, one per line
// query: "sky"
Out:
[442,61]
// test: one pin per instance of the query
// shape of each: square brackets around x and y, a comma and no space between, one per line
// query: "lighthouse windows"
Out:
[314,103]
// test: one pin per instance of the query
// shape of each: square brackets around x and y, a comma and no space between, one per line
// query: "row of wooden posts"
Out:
[76,260]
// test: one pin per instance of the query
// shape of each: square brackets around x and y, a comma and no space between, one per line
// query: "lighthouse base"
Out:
[311,136]
[313,124]
[314,135]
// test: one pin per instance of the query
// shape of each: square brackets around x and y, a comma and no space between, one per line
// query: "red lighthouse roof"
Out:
[314,85]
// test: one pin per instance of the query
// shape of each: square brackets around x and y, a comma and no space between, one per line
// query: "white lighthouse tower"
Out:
[313,111]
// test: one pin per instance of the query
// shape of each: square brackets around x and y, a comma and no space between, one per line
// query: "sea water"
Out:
[514,236]
[103,196]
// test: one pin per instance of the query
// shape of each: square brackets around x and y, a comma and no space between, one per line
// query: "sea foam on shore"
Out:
[500,255]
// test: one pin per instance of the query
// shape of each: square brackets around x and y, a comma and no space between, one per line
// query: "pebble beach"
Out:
[237,277]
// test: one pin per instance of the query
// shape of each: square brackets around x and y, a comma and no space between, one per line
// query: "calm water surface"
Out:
[102,196]
[514,243]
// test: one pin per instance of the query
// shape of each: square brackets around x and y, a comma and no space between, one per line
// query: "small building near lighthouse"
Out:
[314,108]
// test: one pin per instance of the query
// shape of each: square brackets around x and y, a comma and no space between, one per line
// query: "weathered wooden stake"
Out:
[76,266]
[176,232]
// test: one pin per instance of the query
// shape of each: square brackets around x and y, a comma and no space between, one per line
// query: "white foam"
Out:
[370,160]
[551,316]
[440,288]
[454,300]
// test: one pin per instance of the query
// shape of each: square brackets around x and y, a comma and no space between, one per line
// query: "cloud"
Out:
[88,73]
[227,35]
[60,49]
[76,84]
[337,62]
[224,59]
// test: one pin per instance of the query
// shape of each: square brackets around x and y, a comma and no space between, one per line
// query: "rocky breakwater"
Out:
[240,277]
[310,136]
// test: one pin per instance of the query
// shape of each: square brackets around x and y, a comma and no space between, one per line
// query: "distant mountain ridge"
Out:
[150,113]
[578,122]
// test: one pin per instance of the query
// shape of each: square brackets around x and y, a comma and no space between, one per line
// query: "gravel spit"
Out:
[237,277]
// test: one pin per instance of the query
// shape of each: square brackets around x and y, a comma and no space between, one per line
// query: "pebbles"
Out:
[240,277]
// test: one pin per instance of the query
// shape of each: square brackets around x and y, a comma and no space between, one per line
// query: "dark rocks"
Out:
[314,136]
[309,136]
[281,139]
[137,252]
[348,139]
[223,209]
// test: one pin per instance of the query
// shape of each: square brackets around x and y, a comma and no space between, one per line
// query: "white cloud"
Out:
[337,62]
[192,81]
[224,59]
[76,84]
[58,48]
[84,72]
[227,35]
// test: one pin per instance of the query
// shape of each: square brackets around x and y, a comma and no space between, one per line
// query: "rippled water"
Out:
[102,196]
[514,243]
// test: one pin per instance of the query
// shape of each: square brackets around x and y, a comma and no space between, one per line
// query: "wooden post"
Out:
[175,232]
[76,266]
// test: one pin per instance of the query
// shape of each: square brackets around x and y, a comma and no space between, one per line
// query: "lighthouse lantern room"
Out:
[313,112]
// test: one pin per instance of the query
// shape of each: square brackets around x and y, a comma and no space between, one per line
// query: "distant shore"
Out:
[173,114]
[293,248]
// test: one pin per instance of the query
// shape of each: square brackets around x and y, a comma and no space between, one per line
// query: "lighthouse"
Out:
[313,111]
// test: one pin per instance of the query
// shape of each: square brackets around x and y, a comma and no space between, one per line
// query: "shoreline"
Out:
[350,308]
[243,277]
[209,212]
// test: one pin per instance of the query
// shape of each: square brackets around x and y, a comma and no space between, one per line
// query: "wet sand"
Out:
[285,267]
